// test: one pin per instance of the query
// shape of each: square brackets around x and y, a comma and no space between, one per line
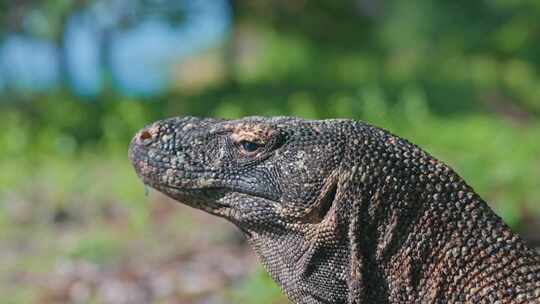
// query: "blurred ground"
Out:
[98,251]
[79,78]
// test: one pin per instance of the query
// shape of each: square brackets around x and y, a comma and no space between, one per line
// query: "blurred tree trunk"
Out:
[230,54]
[370,8]
[72,9]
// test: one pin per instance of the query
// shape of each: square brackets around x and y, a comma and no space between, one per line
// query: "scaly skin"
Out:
[339,211]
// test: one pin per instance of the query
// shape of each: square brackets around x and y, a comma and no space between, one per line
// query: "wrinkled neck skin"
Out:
[309,259]
[406,230]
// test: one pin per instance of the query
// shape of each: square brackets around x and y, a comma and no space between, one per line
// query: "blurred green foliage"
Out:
[259,288]
[458,78]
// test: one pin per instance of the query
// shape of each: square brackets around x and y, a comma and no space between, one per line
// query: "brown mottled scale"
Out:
[339,211]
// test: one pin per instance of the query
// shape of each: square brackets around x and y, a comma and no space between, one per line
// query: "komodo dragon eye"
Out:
[249,146]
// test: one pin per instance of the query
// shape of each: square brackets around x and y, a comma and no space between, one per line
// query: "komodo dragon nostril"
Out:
[145,137]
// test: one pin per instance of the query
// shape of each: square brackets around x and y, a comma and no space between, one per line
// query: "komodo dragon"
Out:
[340,211]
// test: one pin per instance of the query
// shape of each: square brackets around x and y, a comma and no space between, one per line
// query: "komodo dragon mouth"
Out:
[340,211]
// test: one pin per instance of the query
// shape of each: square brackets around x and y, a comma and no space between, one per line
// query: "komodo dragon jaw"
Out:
[339,211]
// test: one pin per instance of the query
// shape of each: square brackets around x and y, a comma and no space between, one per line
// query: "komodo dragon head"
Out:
[338,211]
